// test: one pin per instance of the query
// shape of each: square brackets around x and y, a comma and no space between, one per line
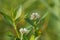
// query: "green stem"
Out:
[21,36]
[15,28]
[14,25]
[34,29]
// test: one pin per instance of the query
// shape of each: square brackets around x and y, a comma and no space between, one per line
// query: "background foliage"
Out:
[49,11]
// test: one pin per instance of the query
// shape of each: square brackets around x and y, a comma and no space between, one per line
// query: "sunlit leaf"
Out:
[19,12]
[37,38]
[32,37]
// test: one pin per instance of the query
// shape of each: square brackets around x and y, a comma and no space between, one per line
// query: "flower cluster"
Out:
[34,16]
[23,30]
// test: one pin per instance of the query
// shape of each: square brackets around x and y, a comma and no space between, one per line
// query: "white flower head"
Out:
[34,16]
[23,30]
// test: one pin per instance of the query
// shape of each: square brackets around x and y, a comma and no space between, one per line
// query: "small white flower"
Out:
[34,16]
[23,30]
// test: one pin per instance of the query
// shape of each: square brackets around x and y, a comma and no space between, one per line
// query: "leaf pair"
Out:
[8,19]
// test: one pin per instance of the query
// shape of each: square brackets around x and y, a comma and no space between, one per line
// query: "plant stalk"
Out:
[14,25]
[21,36]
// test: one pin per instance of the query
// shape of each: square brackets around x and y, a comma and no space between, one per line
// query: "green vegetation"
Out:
[29,19]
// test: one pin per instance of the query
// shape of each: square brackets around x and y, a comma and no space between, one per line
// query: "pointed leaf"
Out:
[18,14]
[32,37]
[37,38]
[7,18]
[44,16]
[30,21]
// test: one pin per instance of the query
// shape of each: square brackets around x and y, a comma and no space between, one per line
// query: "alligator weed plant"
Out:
[32,20]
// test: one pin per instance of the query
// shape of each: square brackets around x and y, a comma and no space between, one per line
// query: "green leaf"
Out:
[29,33]
[17,20]
[32,37]
[10,34]
[19,11]
[44,16]
[30,21]
[25,37]
[37,37]
[7,18]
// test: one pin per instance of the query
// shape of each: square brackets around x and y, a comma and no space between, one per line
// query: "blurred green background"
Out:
[52,32]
